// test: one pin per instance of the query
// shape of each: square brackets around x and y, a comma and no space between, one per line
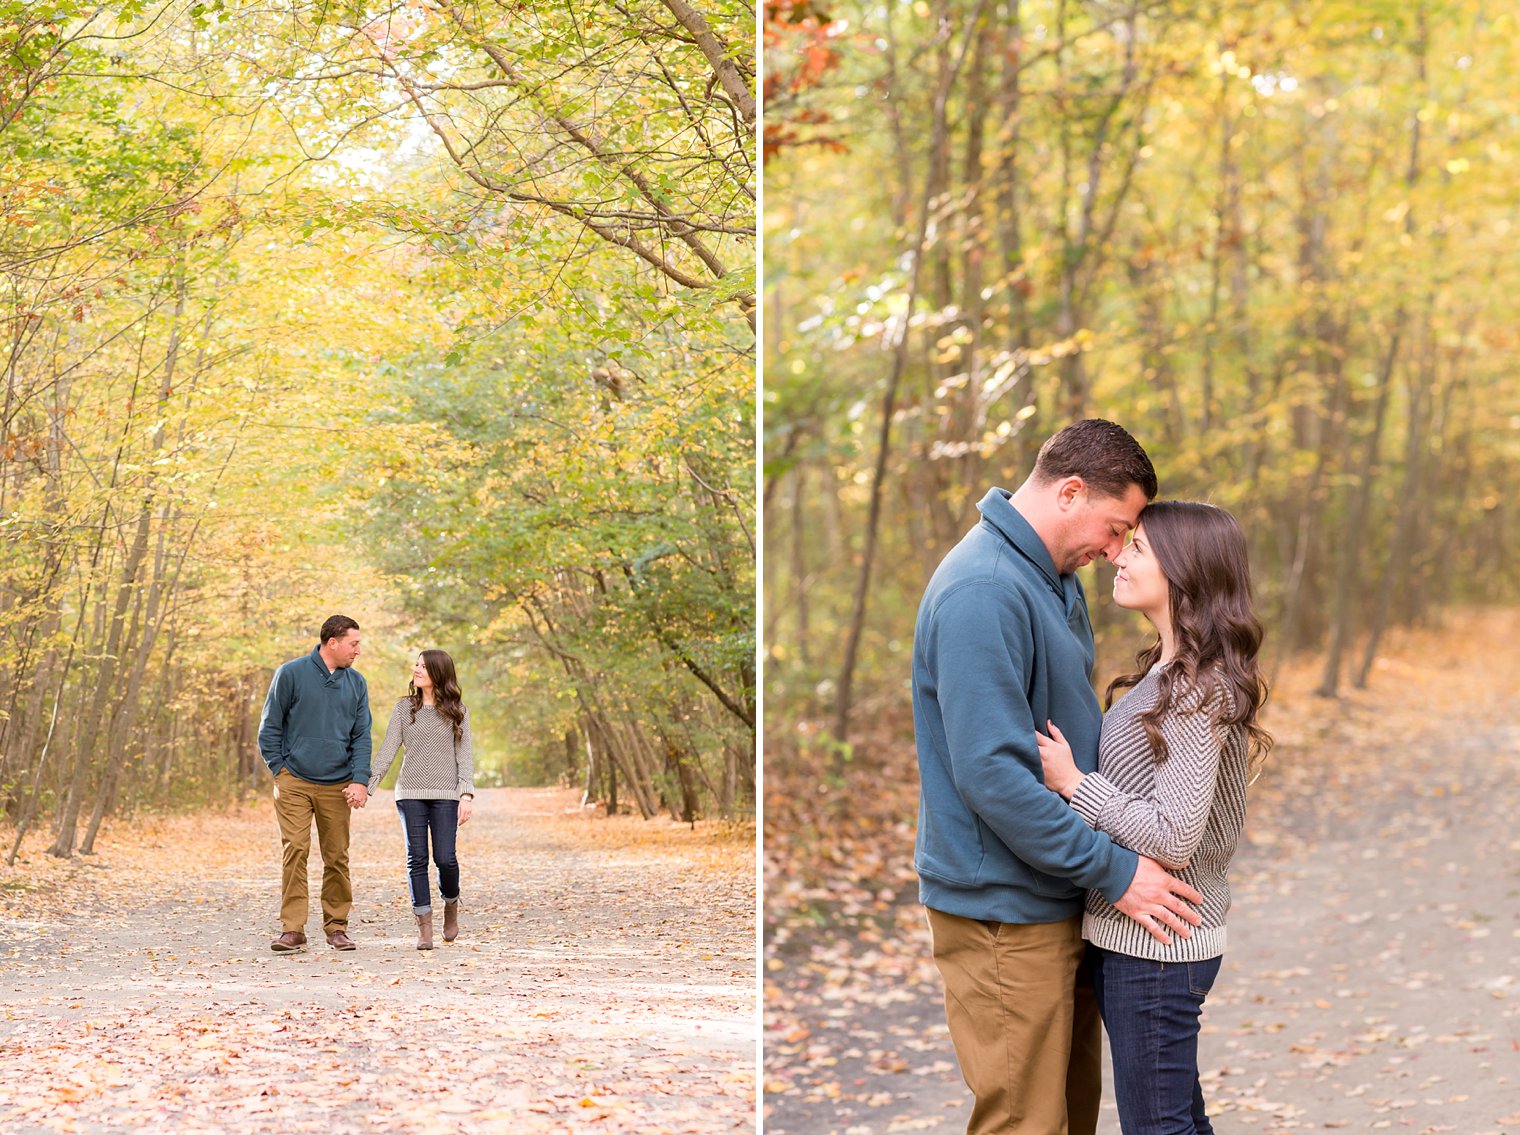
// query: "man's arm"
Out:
[272,722]
[983,648]
[359,747]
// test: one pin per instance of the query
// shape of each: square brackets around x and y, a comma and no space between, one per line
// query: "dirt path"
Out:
[603,980]
[1373,977]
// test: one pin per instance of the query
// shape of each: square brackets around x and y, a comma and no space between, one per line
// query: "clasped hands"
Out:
[357,796]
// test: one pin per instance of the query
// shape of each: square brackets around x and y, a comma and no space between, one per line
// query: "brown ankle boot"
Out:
[451,920]
[424,931]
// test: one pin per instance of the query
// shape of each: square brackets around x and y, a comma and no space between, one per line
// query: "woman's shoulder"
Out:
[1207,691]
[1142,694]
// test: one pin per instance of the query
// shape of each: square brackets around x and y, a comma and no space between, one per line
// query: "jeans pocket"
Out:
[1201,976]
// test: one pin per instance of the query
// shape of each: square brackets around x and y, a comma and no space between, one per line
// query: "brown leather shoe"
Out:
[451,920]
[289,942]
[425,931]
[339,940]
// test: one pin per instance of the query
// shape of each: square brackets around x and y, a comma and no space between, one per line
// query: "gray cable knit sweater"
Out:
[1191,807]
[433,766]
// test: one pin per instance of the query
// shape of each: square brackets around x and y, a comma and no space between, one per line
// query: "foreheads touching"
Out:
[1089,483]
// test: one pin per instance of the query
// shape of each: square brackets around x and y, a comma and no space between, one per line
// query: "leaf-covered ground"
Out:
[603,981]
[1373,977]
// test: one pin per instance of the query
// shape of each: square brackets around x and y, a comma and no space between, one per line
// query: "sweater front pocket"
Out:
[318,759]
[1001,867]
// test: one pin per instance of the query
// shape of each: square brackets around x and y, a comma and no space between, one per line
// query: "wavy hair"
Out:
[448,701]
[1202,553]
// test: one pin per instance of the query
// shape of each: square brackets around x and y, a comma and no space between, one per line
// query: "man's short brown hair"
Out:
[336,627]
[1102,454]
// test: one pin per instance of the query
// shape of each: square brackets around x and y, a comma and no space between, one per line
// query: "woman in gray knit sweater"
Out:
[435,789]
[1174,759]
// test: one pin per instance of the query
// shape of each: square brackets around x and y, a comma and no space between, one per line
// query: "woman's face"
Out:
[420,677]
[1140,586]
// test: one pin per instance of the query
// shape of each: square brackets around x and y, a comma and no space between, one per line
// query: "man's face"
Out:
[343,651]
[1095,525]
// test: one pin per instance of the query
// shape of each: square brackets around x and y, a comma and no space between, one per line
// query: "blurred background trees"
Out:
[435,314]
[1270,239]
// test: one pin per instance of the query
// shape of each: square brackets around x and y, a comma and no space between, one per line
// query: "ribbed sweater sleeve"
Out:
[464,757]
[1168,822]
[391,745]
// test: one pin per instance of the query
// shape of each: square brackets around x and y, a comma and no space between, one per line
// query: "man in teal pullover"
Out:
[314,736]
[1002,647]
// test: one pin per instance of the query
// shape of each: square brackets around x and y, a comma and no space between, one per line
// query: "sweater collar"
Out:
[998,511]
[331,677]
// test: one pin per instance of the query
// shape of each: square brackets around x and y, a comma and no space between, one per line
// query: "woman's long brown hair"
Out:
[1202,552]
[446,696]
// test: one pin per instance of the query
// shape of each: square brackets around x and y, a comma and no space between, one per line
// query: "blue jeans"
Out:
[441,818]
[1151,1011]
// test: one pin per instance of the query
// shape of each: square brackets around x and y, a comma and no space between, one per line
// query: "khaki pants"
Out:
[1024,1022]
[296,803]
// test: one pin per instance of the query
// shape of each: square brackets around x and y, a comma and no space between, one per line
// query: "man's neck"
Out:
[1033,509]
[327,661]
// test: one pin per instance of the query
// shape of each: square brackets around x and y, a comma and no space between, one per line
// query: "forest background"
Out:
[437,314]
[1273,240]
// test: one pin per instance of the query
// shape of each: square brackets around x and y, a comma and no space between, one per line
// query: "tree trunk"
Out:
[939,133]
[1354,533]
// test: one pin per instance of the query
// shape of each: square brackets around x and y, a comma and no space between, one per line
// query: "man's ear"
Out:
[1068,489]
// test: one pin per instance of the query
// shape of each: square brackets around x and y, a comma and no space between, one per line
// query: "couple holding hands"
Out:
[315,737]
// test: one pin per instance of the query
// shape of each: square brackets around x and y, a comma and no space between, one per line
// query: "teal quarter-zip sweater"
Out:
[316,722]
[1002,645]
